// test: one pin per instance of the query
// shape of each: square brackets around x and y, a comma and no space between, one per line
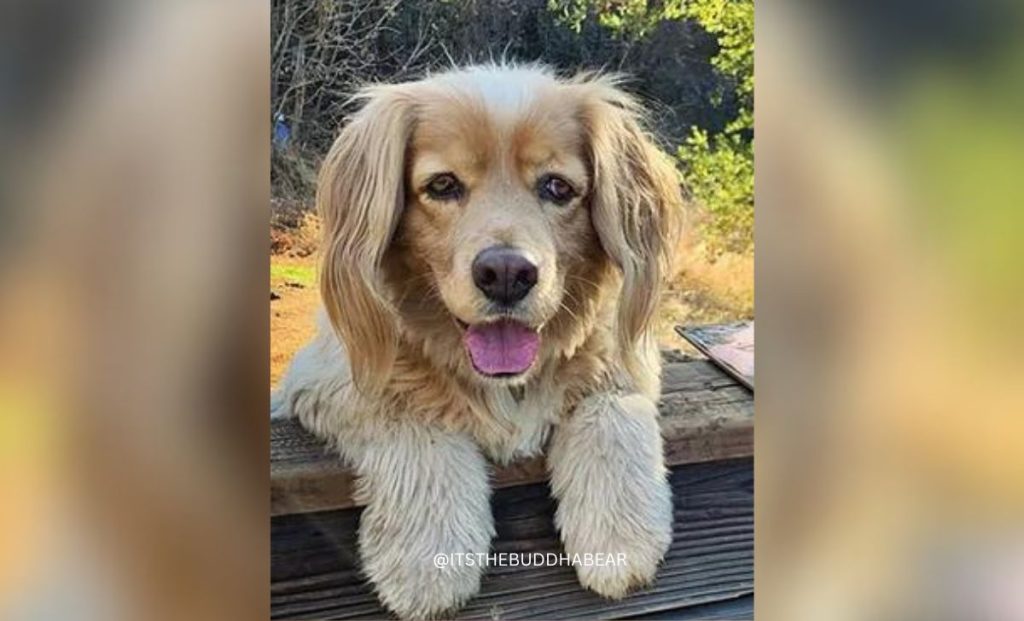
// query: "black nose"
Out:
[504,274]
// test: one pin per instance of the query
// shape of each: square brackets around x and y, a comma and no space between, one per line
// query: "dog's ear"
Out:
[360,197]
[636,205]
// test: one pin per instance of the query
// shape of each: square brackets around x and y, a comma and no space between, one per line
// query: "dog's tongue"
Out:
[502,347]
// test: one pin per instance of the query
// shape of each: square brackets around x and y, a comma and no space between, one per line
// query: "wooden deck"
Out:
[707,421]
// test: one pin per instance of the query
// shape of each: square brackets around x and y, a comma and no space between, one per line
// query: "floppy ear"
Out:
[636,206]
[360,196]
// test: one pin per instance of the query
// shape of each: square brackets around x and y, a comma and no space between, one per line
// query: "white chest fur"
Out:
[526,420]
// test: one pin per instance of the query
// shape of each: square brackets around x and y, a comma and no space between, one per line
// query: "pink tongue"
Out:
[501,347]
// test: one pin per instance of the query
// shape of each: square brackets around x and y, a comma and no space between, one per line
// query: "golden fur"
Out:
[390,382]
[396,263]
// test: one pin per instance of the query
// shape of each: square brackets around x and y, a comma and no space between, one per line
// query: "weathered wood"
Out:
[706,415]
[708,572]
[741,607]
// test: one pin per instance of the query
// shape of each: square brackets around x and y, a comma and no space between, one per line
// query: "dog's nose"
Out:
[503,274]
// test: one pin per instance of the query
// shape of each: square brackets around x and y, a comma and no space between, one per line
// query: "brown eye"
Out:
[444,187]
[555,189]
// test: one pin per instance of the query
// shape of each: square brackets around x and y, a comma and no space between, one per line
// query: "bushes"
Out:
[691,61]
[719,172]
[719,169]
[717,161]
[323,50]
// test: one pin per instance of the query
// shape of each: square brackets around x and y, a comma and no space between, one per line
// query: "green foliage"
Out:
[322,51]
[719,172]
[304,275]
[632,19]
[718,168]
[732,21]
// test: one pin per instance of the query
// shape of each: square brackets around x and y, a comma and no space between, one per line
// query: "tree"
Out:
[717,167]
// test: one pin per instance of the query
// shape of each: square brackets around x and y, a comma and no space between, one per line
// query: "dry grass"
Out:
[706,292]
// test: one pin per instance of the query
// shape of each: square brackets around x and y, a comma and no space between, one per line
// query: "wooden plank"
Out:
[706,415]
[741,607]
[708,571]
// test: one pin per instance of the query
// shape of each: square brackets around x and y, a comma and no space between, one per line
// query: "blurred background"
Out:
[136,166]
[890,283]
[133,332]
[691,63]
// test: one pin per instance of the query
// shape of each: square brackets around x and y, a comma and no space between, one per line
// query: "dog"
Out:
[495,241]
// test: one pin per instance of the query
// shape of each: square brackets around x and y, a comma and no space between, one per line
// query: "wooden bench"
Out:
[707,423]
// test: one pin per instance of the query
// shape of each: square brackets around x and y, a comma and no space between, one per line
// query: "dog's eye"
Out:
[555,189]
[444,187]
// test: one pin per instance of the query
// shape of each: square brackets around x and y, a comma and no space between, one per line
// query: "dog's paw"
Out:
[631,556]
[427,526]
[407,576]
[608,474]
[420,590]
[638,564]
[613,582]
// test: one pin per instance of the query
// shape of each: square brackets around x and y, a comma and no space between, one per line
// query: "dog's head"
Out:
[483,199]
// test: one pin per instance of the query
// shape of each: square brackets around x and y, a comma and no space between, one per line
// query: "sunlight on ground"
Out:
[298,271]
[293,314]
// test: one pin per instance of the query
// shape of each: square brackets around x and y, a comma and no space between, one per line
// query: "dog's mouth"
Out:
[503,348]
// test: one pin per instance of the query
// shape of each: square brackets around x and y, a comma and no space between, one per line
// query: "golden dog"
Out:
[495,242]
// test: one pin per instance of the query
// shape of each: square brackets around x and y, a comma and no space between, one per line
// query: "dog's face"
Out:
[501,193]
[496,211]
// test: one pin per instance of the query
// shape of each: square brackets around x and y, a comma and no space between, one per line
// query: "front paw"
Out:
[427,497]
[609,476]
[417,588]
[633,544]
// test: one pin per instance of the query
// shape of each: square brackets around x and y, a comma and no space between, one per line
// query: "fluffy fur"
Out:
[388,380]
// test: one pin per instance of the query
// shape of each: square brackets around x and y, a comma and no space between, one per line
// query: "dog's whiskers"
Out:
[583,280]
[562,305]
